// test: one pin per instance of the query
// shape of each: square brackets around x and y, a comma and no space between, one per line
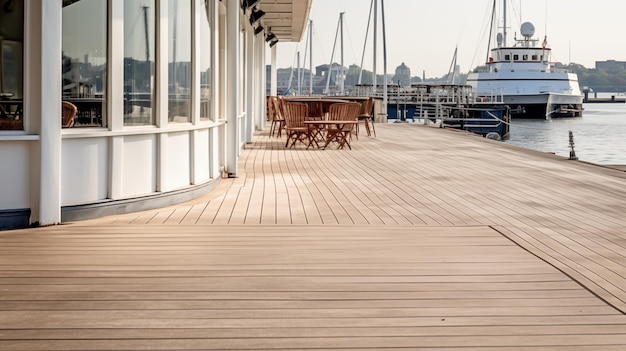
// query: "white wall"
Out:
[84,171]
[120,162]
[176,173]
[139,165]
[14,174]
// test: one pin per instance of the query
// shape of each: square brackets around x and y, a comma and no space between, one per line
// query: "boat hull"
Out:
[545,105]
[537,94]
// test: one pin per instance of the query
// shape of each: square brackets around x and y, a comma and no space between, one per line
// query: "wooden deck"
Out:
[419,239]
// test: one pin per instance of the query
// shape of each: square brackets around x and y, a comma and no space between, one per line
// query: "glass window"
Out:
[179,67]
[139,62]
[205,62]
[84,60]
[515,57]
[11,65]
[507,57]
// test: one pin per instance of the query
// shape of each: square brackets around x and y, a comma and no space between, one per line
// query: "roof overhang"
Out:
[287,19]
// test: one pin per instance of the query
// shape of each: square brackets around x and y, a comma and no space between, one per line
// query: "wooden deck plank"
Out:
[206,333]
[419,238]
[276,287]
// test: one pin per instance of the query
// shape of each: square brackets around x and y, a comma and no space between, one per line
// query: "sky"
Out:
[423,34]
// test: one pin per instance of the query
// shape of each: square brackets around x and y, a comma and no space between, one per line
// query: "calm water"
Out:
[599,136]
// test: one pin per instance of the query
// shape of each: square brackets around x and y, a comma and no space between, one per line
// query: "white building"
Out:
[167,93]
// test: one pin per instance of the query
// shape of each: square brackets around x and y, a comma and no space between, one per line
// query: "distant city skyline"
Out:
[424,35]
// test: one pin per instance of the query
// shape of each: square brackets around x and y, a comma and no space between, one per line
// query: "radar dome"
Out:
[528,29]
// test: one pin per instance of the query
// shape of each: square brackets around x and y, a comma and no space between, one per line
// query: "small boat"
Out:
[447,105]
[525,78]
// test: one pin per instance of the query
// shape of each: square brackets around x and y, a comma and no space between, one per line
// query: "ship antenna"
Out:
[504,16]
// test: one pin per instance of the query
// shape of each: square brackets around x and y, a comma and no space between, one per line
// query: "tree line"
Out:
[600,80]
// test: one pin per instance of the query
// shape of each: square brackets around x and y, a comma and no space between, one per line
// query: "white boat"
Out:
[524,77]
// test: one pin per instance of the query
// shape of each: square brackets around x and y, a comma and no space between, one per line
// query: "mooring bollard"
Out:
[572,153]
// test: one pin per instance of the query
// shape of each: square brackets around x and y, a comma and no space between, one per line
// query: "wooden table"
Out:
[324,103]
[338,134]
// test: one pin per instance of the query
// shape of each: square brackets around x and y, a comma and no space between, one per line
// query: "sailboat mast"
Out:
[341,71]
[375,44]
[299,75]
[367,31]
[145,28]
[310,57]
[332,56]
[382,13]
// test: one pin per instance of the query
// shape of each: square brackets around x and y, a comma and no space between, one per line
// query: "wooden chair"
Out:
[295,114]
[366,115]
[68,113]
[276,116]
[346,111]
[269,109]
[315,110]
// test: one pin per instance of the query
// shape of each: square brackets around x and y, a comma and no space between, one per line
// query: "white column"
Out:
[273,72]
[260,82]
[162,91]
[115,69]
[50,97]
[250,85]
[195,154]
[162,63]
[216,148]
[232,89]
[222,98]
[263,76]
[196,12]
[115,98]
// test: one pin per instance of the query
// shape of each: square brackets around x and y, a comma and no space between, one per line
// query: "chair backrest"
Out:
[344,111]
[269,106]
[279,107]
[367,107]
[295,114]
[315,109]
[68,113]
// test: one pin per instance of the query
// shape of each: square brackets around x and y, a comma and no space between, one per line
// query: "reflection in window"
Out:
[11,65]
[179,68]
[84,60]
[205,63]
[139,62]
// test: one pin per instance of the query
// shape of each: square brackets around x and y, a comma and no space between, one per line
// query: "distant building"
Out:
[611,65]
[403,75]
[287,79]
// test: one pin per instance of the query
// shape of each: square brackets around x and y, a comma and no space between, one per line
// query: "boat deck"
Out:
[420,238]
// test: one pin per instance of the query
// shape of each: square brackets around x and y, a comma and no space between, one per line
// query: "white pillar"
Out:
[260,82]
[215,145]
[274,75]
[50,97]
[161,103]
[251,111]
[232,88]
[195,54]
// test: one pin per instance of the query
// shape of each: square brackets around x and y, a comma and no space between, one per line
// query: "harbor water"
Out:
[599,136]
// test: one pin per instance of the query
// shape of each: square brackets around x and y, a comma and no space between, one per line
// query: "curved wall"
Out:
[116,166]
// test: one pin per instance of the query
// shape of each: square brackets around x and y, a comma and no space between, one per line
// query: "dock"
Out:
[420,238]
[616,98]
